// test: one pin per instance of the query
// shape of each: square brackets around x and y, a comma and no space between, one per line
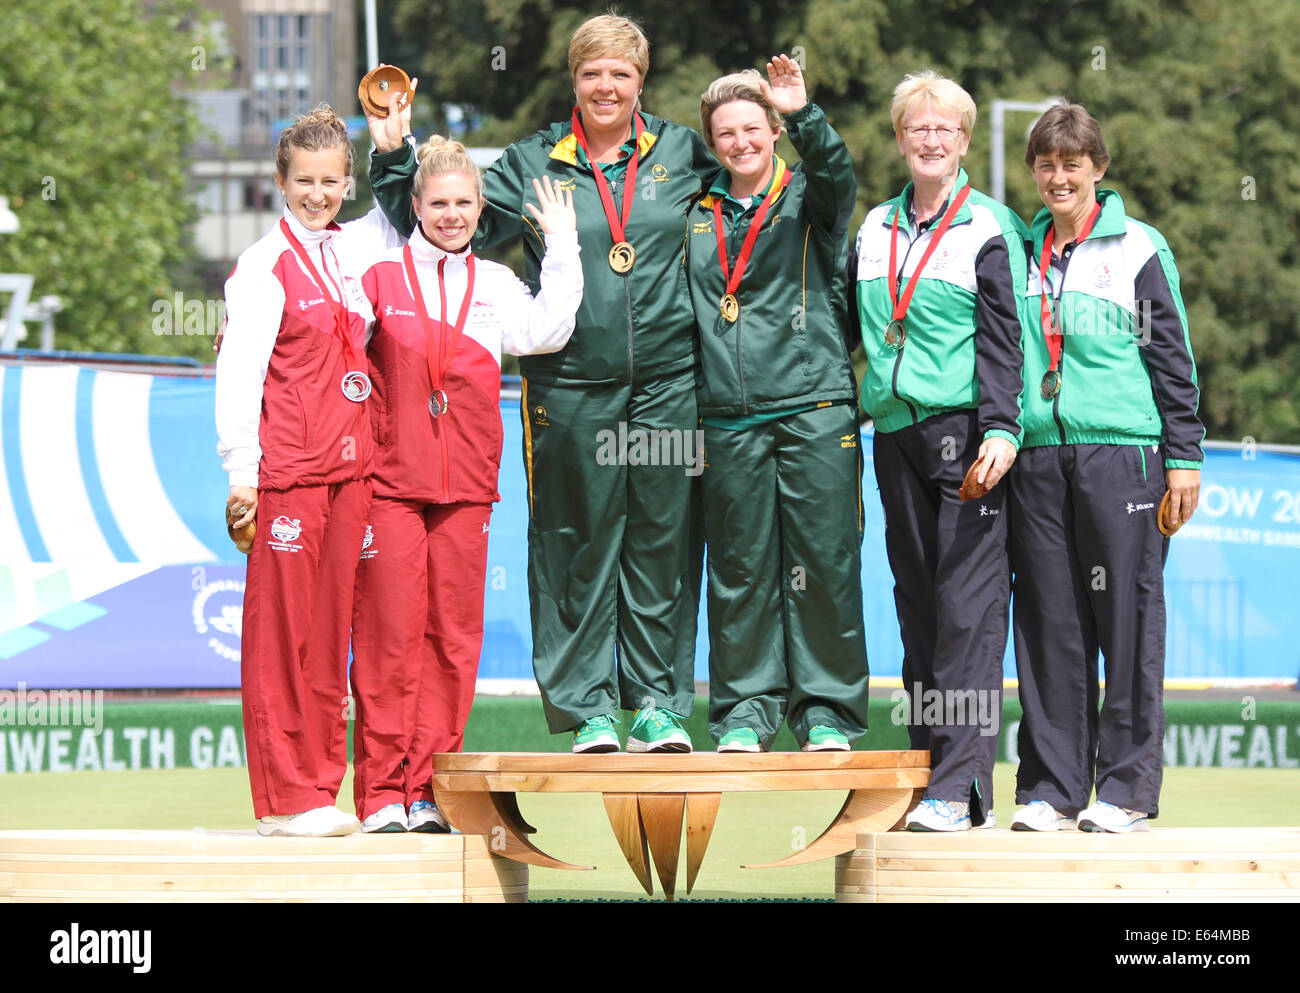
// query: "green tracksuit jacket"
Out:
[786,349]
[962,350]
[1127,373]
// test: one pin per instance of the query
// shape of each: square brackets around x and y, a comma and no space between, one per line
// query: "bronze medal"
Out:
[378,85]
[1051,384]
[621,257]
[730,308]
[895,334]
[438,403]
[355,386]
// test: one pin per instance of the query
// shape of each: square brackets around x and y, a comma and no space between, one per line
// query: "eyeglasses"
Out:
[920,133]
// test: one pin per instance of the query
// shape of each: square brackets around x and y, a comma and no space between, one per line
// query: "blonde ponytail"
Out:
[439,155]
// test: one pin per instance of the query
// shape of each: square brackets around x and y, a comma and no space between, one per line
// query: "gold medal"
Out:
[1051,384]
[621,257]
[895,334]
[730,308]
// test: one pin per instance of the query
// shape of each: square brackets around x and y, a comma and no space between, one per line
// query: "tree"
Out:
[92,158]
[1199,102]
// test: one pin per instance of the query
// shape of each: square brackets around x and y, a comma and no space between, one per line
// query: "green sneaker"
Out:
[596,735]
[823,738]
[740,740]
[657,730]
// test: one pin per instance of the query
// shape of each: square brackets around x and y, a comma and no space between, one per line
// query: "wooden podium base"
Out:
[220,866]
[1190,865]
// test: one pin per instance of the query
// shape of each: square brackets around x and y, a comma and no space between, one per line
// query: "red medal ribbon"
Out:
[617,227]
[337,307]
[1053,337]
[901,305]
[751,236]
[438,366]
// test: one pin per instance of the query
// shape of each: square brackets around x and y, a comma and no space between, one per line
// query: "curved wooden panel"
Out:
[864,811]
[478,813]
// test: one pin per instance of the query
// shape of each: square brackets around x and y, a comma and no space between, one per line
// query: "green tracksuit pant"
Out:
[615,548]
[783,518]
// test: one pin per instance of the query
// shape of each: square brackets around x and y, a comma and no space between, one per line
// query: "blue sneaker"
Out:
[938,815]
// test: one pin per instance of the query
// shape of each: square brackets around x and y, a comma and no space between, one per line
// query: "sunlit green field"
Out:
[750,827]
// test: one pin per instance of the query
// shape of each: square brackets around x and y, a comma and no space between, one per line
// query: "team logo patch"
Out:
[539,416]
[704,227]
[1134,508]
[567,184]
[943,258]
[366,542]
[307,304]
[659,173]
[848,441]
[1103,275]
[390,311]
[989,511]
[286,529]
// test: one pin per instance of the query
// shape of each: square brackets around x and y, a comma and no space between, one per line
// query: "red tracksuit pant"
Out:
[417,633]
[297,612]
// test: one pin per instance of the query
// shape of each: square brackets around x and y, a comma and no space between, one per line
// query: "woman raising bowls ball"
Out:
[614,550]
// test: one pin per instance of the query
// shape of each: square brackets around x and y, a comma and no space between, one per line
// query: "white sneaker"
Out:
[1103,816]
[938,815]
[427,818]
[990,821]
[386,820]
[1039,815]
[323,822]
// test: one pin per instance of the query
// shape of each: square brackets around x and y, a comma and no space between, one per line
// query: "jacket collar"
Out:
[900,202]
[718,190]
[566,142]
[1110,223]
[307,236]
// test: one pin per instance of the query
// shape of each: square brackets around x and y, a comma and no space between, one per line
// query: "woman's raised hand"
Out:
[557,213]
[387,132]
[786,89]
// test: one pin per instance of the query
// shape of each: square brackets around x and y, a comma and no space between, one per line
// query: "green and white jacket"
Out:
[962,349]
[1126,366]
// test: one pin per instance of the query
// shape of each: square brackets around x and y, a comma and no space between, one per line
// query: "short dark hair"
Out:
[1067,128]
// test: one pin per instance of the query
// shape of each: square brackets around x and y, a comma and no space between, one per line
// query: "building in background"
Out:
[286,56]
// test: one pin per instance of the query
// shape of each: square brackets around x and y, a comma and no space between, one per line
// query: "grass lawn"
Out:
[750,827]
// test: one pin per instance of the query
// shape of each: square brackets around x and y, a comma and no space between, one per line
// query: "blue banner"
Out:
[117,572]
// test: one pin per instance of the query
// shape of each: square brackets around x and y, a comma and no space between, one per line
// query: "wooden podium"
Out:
[647,798]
